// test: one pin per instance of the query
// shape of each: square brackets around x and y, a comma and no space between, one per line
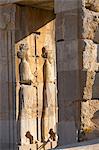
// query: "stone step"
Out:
[90,145]
[38,146]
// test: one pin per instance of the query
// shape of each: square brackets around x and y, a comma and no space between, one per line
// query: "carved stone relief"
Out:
[24,68]
[25,121]
[37,90]
[27,106]
[4,20]
[7,17]
[49,63]
[48,92]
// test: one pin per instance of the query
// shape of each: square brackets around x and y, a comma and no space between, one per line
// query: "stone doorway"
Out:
[36,93]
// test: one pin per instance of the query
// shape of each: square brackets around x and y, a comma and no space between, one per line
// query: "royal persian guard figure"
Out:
[24,67]
[25,119]
[48,115]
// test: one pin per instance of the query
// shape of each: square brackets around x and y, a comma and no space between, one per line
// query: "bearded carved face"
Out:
[44,53]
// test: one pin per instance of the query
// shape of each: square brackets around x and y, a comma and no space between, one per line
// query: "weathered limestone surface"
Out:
[90,24]
[92,5]
[90,37]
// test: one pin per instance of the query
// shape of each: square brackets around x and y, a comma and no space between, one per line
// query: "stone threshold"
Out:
[38,146]
[88,145]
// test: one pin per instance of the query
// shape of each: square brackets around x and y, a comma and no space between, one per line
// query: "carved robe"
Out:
[26,100]
[25,71]
[26,112]
[49,97]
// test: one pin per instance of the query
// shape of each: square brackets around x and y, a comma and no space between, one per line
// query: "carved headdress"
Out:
[22,53]
[23,47]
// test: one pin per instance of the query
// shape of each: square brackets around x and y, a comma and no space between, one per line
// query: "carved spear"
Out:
[36,34]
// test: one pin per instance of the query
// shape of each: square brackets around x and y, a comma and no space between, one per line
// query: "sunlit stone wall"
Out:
[90,48]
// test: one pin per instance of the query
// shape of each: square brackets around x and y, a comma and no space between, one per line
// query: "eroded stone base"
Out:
[37,146]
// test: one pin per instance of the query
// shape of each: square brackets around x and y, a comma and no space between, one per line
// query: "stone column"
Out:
[7,78]
[67,70]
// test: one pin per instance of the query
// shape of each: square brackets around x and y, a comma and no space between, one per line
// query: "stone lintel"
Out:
[42,4]
[65,5]
[14,1]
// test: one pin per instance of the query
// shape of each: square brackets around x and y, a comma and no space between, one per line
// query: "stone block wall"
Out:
[90,40]
[77,36]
